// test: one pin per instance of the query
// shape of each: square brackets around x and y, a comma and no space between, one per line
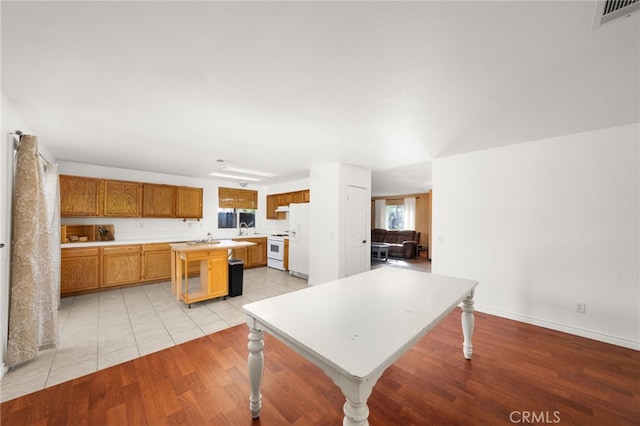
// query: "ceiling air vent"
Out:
[609,10]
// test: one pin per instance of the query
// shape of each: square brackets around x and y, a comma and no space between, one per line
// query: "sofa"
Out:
[404,244]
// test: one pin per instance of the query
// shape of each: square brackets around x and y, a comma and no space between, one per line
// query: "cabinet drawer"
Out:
[205,255]
[79,252]
[121,250]
[156,247]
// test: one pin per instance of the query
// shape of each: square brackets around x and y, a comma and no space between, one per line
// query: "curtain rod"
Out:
[16,144]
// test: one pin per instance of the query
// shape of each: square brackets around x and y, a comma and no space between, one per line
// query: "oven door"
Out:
[275,249]
[275,254]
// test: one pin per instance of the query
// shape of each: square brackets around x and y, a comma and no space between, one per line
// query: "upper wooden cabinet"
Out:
[284,199]
[231,198]
[189,202]
[82,196]
[121,198]
[272,205]
[158,200]
[79,196]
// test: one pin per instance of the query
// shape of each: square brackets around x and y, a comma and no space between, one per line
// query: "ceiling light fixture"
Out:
[225,175]
[249,172]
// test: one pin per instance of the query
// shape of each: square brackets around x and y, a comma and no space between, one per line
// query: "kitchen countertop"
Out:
[152,241]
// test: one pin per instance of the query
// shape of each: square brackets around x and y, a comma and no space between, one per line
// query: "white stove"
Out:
[275,251]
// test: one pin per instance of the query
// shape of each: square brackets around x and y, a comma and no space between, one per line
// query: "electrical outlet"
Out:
[580,307]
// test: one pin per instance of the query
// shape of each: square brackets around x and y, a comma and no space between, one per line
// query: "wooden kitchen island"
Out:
[212,263]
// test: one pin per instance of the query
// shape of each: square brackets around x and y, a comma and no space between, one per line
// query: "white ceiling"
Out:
[171,87]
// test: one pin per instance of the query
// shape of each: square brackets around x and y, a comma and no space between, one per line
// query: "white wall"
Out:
[327,216]
[160,228]
[324,223]
[543,225]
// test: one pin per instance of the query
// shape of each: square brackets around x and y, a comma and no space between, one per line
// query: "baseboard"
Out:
[589,334]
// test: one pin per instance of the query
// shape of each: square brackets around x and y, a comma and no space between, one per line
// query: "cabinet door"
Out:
[156,262]
[189,202]
[298,197]
[158,200]
[240,253]
[121,199]
[79,269]
[272,205]
[121,265]
[79,196]
[286,254]
[288,197]
[218,274]
[257,255]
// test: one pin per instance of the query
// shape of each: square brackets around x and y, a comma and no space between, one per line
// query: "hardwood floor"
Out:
[519,374]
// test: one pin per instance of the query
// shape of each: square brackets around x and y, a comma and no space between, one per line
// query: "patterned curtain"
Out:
[33,313]
[52,197]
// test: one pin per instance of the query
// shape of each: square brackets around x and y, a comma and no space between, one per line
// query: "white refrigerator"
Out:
[299,240]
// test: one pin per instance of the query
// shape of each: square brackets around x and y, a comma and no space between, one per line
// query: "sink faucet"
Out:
[240,229]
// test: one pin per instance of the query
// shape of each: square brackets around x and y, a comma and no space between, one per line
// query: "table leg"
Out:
[256,366]
[355,414]
[468,322]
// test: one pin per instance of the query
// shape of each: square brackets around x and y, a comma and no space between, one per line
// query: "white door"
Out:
[357,231]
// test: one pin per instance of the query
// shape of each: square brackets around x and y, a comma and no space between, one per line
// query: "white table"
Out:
[356,327]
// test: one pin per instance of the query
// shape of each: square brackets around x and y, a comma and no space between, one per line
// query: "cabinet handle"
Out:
[1,245]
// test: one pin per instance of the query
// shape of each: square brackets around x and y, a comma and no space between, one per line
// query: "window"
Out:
[395,216]
[236,206]
[232,218]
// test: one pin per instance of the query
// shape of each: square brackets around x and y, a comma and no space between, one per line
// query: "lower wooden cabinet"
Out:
[85,270]
[121,265]
[214,279]
[252,256]
[156,262]
[79,269]
[90,269]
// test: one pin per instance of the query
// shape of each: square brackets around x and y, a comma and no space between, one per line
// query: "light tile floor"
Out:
[100,330]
